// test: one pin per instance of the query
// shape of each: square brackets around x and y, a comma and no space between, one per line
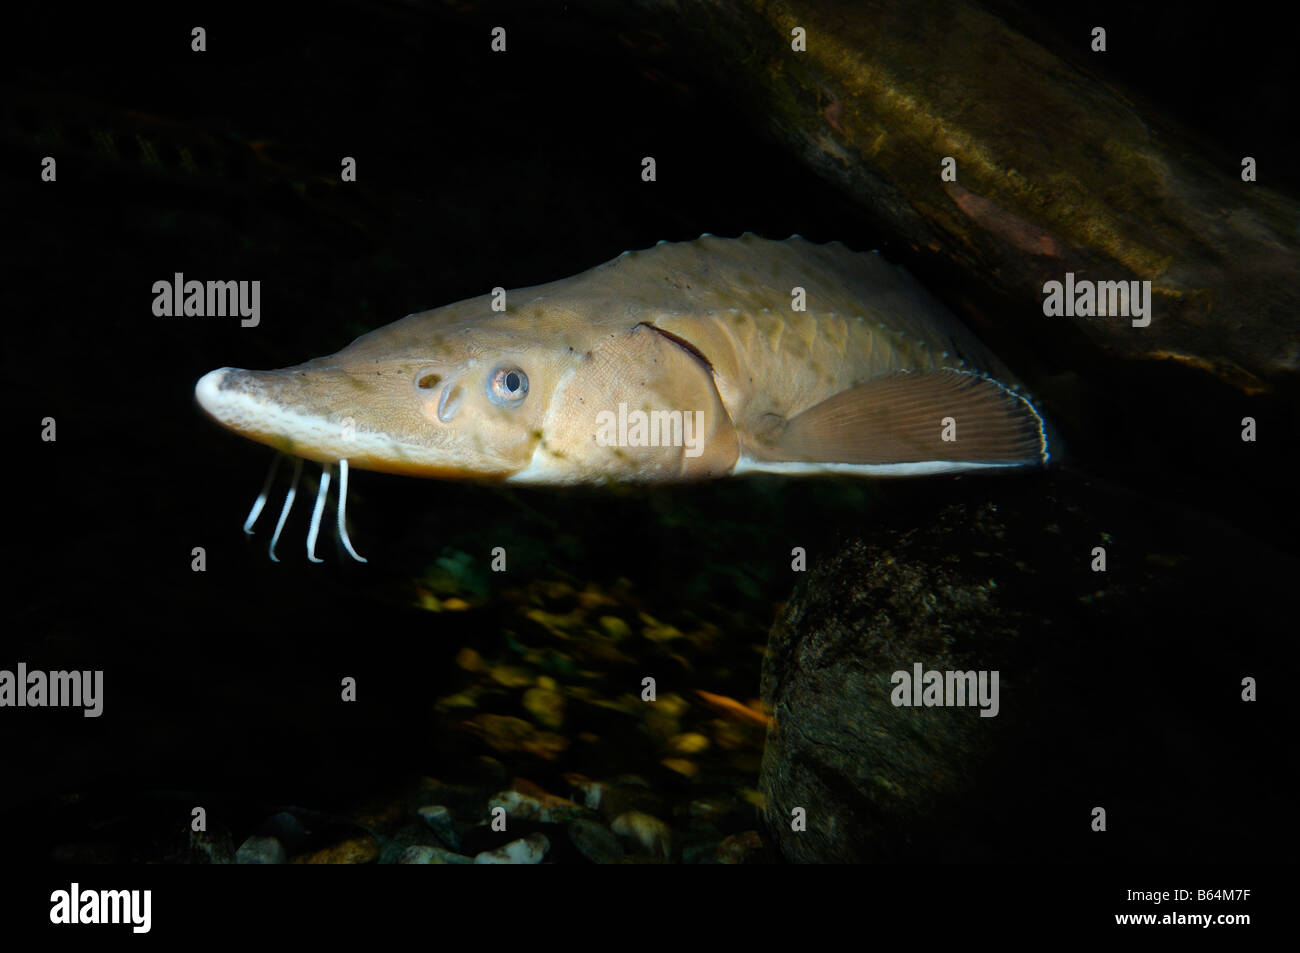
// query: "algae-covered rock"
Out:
[1053,171]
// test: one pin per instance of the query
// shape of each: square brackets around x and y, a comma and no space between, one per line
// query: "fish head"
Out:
[428,395]
[539,396]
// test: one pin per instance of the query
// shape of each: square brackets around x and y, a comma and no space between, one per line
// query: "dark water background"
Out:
[475,170]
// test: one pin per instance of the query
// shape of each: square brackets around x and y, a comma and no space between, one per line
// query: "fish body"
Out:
[684,361]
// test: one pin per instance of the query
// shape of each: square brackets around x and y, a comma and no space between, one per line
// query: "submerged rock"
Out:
[1093,703]
[743,848]
[440,821]
[261,850]
[526,850]
[647,832]
[534,804]
[546,705]
[595,841]
[354,850]
[210,847]
[287,829]
[1057,171]
[426,854]
[513,735]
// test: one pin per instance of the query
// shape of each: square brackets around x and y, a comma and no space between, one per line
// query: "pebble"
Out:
[527,850]
[662,718]
[354,850]
[615,627]
[557,591]
[592,599]
[470,660]
[425,854]
[287,829]
[691,743]
[593,792]
[710,810]
[465,699]
[511,676]
[510,735]
[683,766]
[261,850]
[439,819]
[646,831]
[546,705]
[595,841]
[657,631]
[536,806]
[742,848]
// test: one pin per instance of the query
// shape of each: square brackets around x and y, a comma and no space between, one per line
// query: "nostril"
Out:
[449,402]
[428,381]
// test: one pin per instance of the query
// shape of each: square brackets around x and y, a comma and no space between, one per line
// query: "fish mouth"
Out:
[303,412]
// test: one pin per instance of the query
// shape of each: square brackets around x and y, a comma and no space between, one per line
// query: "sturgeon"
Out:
[685,361]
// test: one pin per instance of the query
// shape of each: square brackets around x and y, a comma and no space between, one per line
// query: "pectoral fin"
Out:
[946,418]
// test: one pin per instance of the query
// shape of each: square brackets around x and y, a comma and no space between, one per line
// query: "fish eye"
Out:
[507,385]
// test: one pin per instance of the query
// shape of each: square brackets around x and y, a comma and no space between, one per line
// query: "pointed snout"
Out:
[293,411]
[321,412]
[208,391]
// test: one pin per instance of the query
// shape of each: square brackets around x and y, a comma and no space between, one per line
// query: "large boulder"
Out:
[1119,689]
